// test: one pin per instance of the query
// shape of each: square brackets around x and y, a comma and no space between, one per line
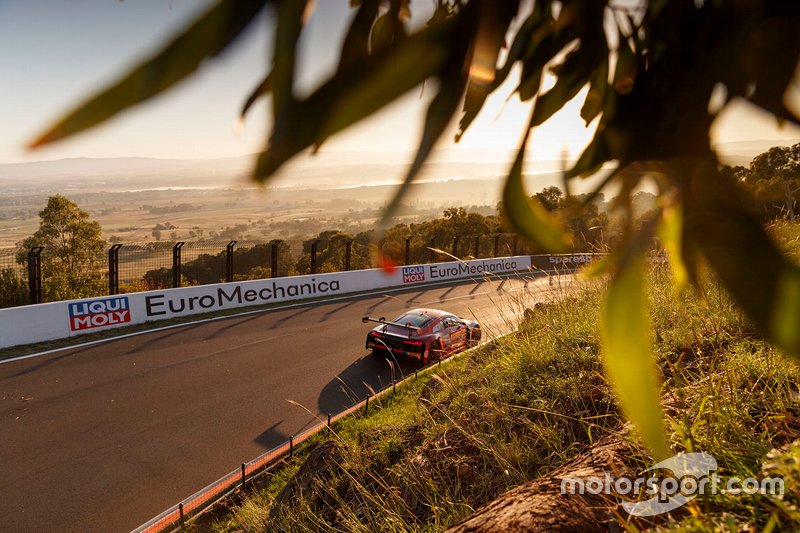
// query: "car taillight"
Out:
[414,343]
[373,333]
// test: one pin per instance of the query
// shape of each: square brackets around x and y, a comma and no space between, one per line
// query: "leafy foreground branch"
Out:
[535,403]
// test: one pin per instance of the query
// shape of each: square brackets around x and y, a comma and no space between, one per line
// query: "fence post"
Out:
[348,252]
[477,246]
[113,269]
[314,256]
[182,516]
[229,261]
[291,446]
[408,251]
[176,264]
[275,251]
[432,246]
[455,246]
[496,244]
[35,274]
[244,477]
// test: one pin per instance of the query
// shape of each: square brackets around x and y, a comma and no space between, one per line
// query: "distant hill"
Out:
[322,171]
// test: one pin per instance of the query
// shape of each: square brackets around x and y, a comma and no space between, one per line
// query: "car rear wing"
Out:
[382,320]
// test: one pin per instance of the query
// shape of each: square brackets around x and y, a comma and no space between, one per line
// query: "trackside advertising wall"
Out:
[57,320]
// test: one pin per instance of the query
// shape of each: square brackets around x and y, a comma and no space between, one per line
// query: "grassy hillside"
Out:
[514,410]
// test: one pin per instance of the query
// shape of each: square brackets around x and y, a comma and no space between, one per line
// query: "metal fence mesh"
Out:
[145,266]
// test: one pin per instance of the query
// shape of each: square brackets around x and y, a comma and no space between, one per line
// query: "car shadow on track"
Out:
[354,383]
[271,437]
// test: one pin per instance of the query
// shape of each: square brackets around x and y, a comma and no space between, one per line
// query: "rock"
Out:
[466,473]
[321,465]
[539,505]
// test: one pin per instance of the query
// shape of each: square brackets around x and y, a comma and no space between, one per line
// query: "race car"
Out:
[425,334]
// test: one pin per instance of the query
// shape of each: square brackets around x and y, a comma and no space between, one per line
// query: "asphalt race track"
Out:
[104,437]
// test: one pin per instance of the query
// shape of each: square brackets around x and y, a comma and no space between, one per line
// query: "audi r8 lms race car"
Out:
[425,334]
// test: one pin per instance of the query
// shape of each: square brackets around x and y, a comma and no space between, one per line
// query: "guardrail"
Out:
[178,515]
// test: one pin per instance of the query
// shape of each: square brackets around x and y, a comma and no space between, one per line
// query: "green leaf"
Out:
[356,92]
[628,357]
[776,38]
[761,280]
[492,26]
[786,311]
[356,44]
[543,48]
[264,88]
[440,112]
[206,37]
[670,231]
[287,31]
[593,156]
[598,86]
[573,74]
[527,215]
[627,66]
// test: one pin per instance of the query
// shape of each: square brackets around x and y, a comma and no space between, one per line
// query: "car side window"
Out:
[438,327]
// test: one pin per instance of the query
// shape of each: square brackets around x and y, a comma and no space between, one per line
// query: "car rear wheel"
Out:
[437,352]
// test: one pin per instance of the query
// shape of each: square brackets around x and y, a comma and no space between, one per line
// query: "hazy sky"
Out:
[56,52]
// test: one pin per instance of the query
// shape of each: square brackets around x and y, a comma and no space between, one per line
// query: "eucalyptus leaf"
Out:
[670,231]
[527,215]
[358,91]
[628,357]
[263,88]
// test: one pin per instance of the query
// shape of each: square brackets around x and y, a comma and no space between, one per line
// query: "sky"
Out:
[57,52]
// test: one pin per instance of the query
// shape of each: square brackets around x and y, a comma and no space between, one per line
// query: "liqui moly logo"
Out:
[413,274]
[99,313]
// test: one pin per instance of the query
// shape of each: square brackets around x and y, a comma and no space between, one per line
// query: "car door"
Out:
[458,333]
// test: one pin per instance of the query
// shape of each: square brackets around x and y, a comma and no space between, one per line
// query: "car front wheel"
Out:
[474,336]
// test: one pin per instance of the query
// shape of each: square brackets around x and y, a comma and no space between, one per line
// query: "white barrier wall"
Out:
[57,320]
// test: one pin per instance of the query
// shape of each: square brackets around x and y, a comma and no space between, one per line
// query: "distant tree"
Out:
[13,288]
[74,250]
[156,233]
[550,198]
[331,253]
[771,183]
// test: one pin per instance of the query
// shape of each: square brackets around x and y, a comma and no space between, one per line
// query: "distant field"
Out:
[188,214]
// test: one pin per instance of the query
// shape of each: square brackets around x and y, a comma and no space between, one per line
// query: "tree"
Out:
[13,288]
[550,198]
[669,58]
[74,251]
[771,183]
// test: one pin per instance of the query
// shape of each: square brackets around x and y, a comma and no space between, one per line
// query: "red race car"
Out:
[426,334]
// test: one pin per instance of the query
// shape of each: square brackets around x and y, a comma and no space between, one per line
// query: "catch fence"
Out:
[45,275]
